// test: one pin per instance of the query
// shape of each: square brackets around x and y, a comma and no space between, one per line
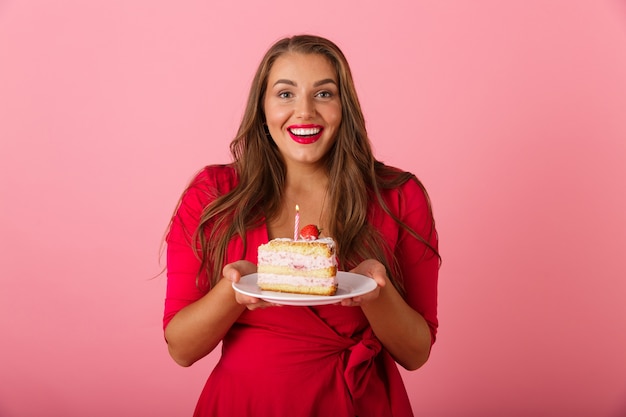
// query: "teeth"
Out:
[305,131]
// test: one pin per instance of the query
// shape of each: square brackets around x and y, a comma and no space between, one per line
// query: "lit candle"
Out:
[296,227]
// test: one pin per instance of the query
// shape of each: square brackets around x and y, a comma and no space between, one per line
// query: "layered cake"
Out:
[298,266]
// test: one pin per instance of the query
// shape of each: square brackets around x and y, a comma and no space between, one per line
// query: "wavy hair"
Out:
[357,178]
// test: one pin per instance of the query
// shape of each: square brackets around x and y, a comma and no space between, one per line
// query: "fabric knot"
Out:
[359,367]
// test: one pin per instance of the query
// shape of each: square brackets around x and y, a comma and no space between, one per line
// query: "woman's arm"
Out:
[407,325]
[195,321]
[198,328]
[402,330]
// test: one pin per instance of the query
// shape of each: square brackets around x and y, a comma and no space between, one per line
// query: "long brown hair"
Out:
[357,178]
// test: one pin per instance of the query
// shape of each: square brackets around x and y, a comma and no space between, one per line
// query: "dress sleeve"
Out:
[183,263]
[418,263]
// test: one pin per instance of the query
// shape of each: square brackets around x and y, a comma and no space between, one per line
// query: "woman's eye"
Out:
[324,94]
[284,94]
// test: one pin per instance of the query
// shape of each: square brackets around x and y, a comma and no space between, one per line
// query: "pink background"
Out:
[513,113]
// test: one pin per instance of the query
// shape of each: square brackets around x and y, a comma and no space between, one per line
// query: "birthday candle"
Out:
[296,227]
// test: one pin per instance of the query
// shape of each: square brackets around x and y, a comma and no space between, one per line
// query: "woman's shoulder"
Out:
[400,187]
[216,173]
[209,183]
[395,179]
[386,173]
[220,177]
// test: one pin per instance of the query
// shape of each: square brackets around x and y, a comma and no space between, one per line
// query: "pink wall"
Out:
[512,113]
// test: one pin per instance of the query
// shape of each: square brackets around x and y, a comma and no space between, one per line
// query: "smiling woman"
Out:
[302,143]
[512,112]
[303,106]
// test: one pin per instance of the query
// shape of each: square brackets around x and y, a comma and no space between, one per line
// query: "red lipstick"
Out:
[305,134]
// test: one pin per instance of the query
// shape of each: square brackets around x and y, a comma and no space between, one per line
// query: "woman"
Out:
[303,140]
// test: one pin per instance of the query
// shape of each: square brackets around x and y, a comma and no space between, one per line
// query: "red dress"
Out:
[303,361]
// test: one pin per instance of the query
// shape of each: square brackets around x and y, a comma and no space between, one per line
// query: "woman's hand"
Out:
[233,272]
[376,271]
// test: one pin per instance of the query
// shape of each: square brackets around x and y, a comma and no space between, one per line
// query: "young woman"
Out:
[303,141]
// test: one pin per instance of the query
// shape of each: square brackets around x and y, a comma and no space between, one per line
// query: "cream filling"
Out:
[296,261]
[295,280]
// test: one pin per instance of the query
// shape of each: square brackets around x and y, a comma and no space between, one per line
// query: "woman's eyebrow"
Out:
[316,84]
[325,81]
[284,81]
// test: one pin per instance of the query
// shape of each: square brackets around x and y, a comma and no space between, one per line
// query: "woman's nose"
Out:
[305,108]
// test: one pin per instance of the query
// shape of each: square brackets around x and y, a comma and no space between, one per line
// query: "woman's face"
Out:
[302,107]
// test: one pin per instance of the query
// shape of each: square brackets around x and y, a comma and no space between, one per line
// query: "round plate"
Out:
[350,285]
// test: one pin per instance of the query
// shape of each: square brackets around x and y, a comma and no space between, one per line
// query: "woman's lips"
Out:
[305,134]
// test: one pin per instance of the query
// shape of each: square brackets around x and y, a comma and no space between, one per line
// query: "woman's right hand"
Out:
[233,272]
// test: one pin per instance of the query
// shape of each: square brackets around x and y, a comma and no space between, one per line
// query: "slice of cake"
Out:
[298,266]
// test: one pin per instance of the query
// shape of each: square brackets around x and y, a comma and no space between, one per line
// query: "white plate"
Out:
[350,285]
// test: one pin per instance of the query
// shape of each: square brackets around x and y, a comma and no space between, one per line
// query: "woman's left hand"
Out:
[375,270]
